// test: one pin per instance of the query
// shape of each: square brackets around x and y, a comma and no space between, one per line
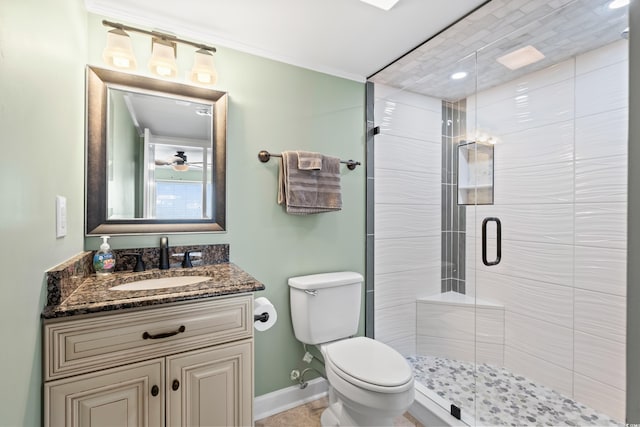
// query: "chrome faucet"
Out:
[164,253]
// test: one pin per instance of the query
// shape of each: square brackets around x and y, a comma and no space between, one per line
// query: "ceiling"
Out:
[560,29]
[345,38]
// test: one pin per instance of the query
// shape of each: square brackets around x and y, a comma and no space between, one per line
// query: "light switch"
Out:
[61,216]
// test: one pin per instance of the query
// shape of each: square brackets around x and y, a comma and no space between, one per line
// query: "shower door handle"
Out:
[498,241]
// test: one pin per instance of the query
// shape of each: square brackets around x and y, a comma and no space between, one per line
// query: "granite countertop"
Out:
[92,294]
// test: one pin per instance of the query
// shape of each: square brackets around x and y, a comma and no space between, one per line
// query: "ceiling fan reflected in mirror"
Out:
[178,162]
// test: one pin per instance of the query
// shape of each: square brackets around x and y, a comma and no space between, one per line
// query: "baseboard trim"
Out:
[287,398]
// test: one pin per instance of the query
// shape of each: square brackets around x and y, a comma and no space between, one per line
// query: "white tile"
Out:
[398,153]
[464,323]
[551,223]
[602,57]
[492,354]
[549,183]
[541,339]
[602,315]
[551,263]
[392,255]
[541,145]
[395,221]
[603,89]
[489,326]
[601,270]
[540,107]
[600,359]
[601,397]
[404,287]
[402,187]
[601,180]
[523,85]
[602,134]
[539,300]
[463,350]
[408,121]
[396,327]
[539,370]
[446,321]
[387,93]
[601,224]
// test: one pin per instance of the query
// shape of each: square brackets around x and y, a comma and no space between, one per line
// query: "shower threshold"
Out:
[503,398]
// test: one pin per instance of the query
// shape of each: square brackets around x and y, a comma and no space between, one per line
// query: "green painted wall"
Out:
[276,107]
[43,50]
[44,47]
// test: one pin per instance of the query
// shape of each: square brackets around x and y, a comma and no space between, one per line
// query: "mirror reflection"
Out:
[155,155]
[159,152]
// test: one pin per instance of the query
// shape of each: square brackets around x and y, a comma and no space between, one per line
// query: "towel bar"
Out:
[265,156]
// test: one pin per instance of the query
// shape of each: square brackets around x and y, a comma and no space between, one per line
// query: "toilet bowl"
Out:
[370,383]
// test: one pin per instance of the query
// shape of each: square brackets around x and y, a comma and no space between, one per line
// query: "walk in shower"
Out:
[497,213]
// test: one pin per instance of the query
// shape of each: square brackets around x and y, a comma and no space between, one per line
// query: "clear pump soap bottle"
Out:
[104,261]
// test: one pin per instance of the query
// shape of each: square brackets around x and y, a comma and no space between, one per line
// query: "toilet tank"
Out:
[325,307]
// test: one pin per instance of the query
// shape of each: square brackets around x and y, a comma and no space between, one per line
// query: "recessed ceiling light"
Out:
[382,4]
[521,57]
[459,75]
[616,4]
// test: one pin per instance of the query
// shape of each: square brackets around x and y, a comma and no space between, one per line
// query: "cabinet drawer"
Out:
[78,346]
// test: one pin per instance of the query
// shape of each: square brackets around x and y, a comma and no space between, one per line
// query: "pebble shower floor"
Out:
[507,399]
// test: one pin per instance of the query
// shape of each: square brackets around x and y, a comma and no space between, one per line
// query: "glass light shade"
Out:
[180,167]
[163,59]
[118,52]
[203,71]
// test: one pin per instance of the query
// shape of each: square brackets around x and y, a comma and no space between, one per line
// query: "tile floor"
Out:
[503,398]
[308,415]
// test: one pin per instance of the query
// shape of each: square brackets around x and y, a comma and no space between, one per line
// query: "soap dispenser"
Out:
[104,261]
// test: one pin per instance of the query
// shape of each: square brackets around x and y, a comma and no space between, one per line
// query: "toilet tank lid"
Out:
[325,280]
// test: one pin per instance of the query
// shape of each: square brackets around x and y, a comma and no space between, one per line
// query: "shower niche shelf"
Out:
[475,173]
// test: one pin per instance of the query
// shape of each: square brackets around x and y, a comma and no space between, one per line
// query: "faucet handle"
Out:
[186,260]
[139,263]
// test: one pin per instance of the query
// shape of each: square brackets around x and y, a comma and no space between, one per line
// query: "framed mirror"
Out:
[155,156]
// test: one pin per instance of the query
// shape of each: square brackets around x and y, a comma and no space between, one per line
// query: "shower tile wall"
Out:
[408,157]
[560,192]
[453,216]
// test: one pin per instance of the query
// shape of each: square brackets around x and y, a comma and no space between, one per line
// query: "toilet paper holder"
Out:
[261,317]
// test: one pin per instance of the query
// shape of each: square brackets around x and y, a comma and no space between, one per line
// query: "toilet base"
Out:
[336,415]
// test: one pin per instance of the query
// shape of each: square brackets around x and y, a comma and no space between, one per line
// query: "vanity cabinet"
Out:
[178,365]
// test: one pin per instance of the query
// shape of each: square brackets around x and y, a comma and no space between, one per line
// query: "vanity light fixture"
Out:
[119,54]
[203,71]
[163,58]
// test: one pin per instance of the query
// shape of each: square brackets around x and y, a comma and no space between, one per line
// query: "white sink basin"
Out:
[164,282]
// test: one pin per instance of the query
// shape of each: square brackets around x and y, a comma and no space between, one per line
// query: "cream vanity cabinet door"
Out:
[127,396]
[211,387]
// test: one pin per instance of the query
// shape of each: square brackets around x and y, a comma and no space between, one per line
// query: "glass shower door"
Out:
[548,274]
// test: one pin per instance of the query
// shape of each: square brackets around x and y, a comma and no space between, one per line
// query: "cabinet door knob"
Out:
[155,390]
[175,385]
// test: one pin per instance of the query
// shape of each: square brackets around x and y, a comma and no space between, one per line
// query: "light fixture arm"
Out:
[158,34]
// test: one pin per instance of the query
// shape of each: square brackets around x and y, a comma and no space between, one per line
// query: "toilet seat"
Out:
[369,364]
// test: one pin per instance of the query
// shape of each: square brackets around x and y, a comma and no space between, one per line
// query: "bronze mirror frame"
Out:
[96,221]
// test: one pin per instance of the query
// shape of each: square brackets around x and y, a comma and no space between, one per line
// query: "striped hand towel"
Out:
[305,192]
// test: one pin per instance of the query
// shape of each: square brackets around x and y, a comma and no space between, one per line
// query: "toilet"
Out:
[369,382]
